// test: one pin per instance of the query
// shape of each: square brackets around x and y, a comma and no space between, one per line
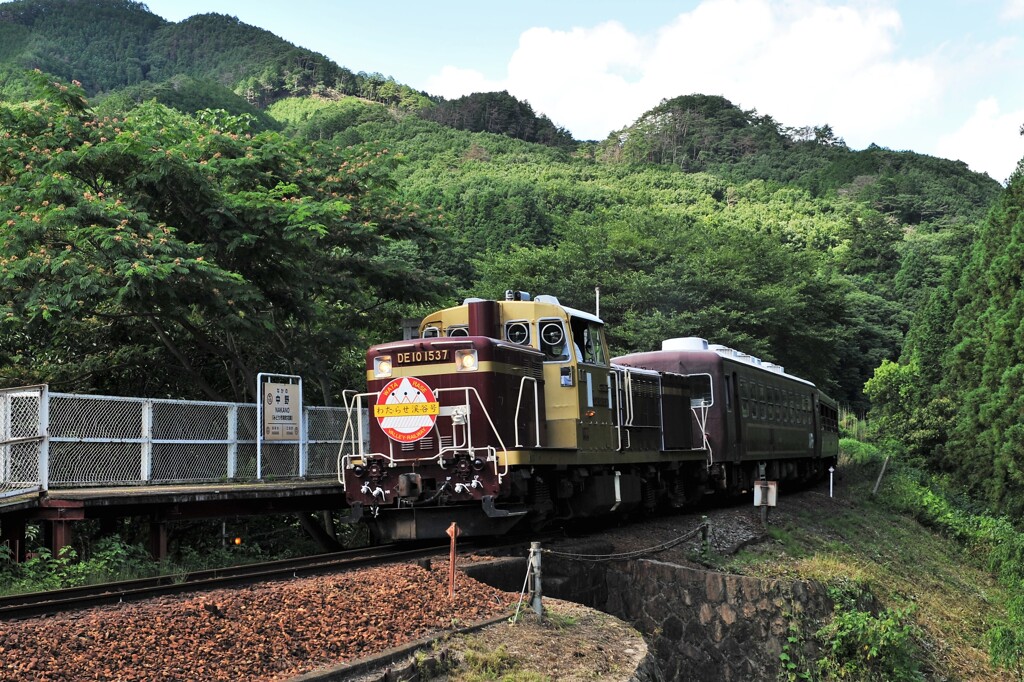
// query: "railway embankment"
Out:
[833,586]
[699,624]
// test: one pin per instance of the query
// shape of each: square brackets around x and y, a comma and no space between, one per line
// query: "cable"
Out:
[627,555]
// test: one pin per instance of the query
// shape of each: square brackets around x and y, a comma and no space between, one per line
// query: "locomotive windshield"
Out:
[587,336]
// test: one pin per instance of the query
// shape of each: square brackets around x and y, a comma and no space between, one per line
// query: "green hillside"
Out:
[698,219]
[184,204]
[108,45]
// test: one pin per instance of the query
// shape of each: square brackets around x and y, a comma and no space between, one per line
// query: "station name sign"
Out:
[282,411]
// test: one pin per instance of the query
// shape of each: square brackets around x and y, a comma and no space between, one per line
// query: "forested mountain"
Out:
[698,219]
[111,44]
[954,399]
[101,43]
[501,113]
[710,134]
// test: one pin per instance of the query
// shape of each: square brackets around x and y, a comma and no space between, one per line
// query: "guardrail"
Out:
[66,440]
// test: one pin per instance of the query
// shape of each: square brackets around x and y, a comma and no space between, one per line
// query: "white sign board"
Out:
[282,411]
[765,493]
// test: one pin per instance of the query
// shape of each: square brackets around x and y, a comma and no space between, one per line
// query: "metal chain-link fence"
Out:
[22,442]
[104,440]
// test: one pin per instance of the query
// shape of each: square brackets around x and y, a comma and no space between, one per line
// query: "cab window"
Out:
[518,332]
[588,339]
[700,390]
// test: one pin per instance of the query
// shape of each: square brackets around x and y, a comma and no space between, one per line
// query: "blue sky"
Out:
[939,77]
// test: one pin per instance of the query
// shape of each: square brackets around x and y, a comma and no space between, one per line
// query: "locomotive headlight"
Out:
[382,367]
[466,360]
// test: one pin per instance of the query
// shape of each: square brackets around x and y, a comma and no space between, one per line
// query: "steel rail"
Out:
[46,603]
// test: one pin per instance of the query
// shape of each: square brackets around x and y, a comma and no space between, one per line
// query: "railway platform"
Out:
[67,458]
[59,509]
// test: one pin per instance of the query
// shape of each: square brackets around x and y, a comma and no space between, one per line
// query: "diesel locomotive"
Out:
[508,412]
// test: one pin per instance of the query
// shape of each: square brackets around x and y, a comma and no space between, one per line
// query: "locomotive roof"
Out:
[709,355]
[544,299]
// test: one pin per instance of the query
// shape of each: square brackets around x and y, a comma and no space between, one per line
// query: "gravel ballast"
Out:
[271,631]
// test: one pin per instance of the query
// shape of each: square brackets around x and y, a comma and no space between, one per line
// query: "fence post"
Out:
[5,435]
[233,438]
[303,441]
[147,440]
[874,491]
[44,443]
[705,537]
[538,606]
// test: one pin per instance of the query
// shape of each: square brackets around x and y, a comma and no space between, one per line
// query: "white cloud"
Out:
[989,141]
[454,82]
[1013,9]
[801,61]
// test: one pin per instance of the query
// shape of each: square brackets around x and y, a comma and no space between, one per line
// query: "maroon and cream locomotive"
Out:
[509,411]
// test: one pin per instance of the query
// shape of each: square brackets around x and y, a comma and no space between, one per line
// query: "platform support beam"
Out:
[58,532]
[158,540]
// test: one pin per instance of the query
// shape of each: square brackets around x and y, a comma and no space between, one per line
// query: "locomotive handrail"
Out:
[342,460]
[536,409]
[626,389]
[629,398]
[618,409]
[487,415]
[357,399]
[702,422]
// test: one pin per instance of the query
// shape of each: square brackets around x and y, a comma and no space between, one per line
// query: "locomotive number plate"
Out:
[415,356]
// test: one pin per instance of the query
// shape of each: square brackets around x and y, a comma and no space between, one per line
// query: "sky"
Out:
[933,76]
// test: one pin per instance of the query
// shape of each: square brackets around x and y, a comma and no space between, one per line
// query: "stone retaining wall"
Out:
[701,625]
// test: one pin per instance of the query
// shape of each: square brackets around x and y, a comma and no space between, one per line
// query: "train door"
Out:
[732,388]
[596,423]
[561,397]
[815,435]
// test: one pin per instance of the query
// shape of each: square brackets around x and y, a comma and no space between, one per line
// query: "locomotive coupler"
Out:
[410,485]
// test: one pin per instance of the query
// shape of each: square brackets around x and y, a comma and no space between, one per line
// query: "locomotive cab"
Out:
[575,377]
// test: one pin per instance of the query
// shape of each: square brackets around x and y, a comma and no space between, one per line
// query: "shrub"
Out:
[859,452]
[859,645]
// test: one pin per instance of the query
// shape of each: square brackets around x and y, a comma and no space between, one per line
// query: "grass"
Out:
[480,663]
[559,621]
[941,586]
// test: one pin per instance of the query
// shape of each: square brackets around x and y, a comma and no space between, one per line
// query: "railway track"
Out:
[70,599]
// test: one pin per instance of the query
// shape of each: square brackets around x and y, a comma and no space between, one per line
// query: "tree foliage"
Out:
[102,43]
[500,113]
[699,218]
[966,350]
[188,95]
[166,253]
[111,44]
